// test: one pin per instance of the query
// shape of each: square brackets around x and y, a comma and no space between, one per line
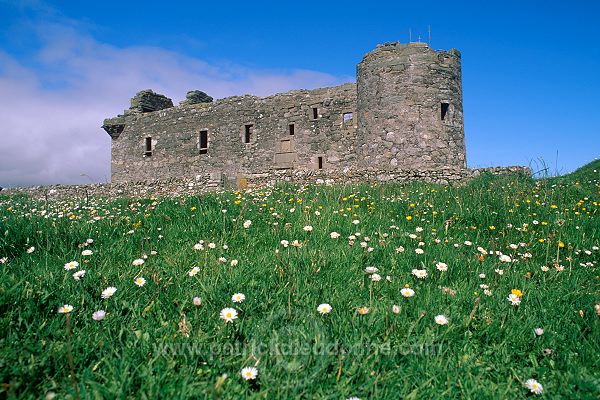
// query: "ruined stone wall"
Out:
[175,136]
[202,183]
[403,114]
[402,89]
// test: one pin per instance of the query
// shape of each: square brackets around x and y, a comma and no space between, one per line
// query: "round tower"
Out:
[409,108]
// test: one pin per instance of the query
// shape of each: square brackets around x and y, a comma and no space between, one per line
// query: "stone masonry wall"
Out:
[410,108]
[402,120]
[202,183]
[175,136]
[404,113]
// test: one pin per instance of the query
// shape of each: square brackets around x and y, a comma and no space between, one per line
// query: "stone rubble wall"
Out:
[401,89]
[175,136]
[203,183]
[390,120]
[148,101]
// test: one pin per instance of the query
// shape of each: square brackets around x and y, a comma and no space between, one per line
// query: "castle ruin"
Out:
[403,119]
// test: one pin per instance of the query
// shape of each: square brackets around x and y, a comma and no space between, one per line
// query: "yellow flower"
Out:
[517,292]
[561,244]
[408,217]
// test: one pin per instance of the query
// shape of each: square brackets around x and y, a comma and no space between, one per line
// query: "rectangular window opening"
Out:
[248,133]
[148,147]
[315,113]
[203,142]
[320,162]
[445,107]
[292,129]
[347,118]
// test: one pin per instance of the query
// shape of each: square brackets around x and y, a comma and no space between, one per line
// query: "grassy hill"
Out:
[462,252]
[590,171]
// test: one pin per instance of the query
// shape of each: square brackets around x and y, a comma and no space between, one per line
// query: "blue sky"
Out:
[531,80]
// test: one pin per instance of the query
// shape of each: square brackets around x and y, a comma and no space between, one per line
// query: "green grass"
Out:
[155,343]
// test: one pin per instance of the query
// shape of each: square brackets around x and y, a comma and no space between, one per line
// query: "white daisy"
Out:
[108,292]
[79,274]
[228,314]
[98,315]
[71,265]
[534,386]
[420,273]
[140,281]
[249,373]
[324,308]
[371,270]
[514,299]
[67,308]
[238,297]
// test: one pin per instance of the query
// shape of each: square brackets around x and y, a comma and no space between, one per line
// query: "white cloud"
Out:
[51,112]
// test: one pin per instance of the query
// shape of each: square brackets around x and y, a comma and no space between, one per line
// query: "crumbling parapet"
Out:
[114,126]
[143,102]
[148,101]
[196,97]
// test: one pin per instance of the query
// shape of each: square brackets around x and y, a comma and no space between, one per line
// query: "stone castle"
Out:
[403,119]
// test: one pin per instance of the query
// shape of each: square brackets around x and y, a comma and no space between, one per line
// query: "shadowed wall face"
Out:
[410,108]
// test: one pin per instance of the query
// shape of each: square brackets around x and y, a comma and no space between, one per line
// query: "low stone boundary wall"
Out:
[441,176]
[216,181]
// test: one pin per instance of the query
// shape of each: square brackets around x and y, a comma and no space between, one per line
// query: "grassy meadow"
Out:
[413,291]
